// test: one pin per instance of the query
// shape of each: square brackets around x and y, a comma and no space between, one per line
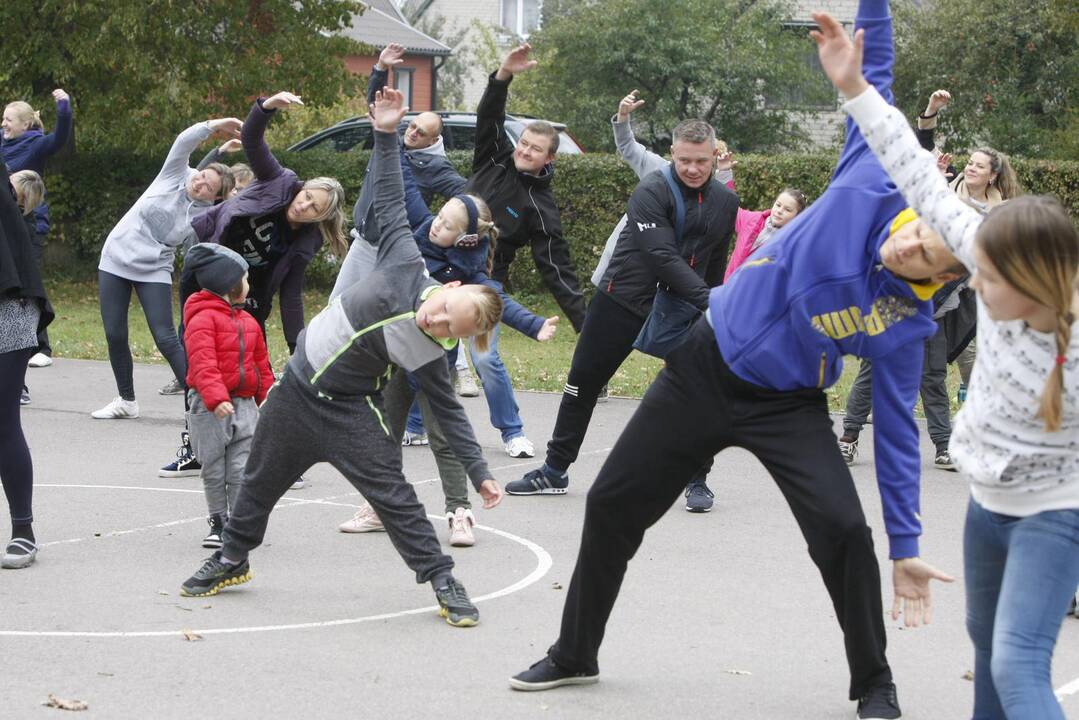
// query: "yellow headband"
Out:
[906,216]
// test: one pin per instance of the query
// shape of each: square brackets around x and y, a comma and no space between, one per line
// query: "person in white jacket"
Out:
[1016,438]
[138,255]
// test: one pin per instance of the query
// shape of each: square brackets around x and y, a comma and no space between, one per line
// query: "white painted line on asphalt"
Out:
[1069,689]
[543,565]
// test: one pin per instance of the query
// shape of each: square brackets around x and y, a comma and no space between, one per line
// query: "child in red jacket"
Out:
[228,376]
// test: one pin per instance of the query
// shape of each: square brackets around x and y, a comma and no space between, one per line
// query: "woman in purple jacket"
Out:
[26,146]
[278,223]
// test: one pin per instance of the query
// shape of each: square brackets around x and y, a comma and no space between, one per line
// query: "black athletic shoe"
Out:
[880,703]
[537,482]
[699,499]
[185,464]
[213,538]
[214,575]
[545,675]
[454,605]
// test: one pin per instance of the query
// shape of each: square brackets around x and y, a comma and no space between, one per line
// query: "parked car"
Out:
[458,133]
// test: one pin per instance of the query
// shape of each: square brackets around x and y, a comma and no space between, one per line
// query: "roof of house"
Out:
[383,23]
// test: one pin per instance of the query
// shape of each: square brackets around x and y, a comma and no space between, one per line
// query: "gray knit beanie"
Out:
[217,268]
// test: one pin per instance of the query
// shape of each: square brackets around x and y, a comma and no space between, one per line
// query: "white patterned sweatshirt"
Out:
[1014,465]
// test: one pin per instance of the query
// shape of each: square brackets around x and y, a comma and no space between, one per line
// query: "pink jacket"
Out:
[747,226]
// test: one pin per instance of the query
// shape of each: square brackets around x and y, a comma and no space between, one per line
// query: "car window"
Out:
[462,137]
[357,137]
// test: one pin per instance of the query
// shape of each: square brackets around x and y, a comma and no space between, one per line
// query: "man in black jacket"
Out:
[648,253]
[515,182]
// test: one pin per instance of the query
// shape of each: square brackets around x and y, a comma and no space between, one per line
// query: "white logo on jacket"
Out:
[641,227]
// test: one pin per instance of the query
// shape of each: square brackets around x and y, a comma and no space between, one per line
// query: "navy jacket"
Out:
[30,150]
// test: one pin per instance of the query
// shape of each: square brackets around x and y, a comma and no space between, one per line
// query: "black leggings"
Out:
[16,467]
[156,301]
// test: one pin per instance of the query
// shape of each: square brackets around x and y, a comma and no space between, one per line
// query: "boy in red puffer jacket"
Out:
[228,376]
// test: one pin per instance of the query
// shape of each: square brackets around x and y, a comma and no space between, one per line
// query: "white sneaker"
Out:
[461,522]
[466,384]
[299,484]
[519,447]
[118,409]
[40,360]
[411,438]
[365,520]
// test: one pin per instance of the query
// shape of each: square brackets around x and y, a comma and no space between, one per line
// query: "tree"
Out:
[719,60]
[140,70]
[1012,69]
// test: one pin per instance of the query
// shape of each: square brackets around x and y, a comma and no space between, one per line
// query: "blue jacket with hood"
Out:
[817,291]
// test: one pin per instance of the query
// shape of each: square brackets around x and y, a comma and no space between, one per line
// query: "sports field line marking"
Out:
[1066,690]
[544,562]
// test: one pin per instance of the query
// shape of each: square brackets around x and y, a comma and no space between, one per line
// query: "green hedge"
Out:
[90,193]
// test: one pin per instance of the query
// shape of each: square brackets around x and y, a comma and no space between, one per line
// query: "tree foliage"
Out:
[140,70]
[720,60]
[1012,69]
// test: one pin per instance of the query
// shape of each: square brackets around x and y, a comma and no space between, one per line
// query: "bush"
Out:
[90,194]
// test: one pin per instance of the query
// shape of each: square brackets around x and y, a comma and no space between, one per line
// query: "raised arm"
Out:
[391,56]
[890,138]
[54,142]
[642,160]
[217,153]
[395,243]
[263,163]
[491,113]
[176,163]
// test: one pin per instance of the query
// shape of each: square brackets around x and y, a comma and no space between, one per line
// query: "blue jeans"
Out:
[1021,573]
[505,415]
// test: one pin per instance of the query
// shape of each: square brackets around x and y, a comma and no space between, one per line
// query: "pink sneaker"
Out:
[365,520]
[461,522]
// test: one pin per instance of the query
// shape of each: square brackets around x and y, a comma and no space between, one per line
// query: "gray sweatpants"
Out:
[222,446]
[297,429]
[399,397]
[933,390]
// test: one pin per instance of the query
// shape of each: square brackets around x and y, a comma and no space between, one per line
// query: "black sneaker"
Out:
[213,539]
[185,464]
[214,575]
[545,675]
[848,448]
[943,460]
[538,482]
[699,499]
[880,703]
[454,605]
[604,394]
[24,396]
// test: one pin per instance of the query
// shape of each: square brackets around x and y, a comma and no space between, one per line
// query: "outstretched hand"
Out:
[550,325]
[911,577]
[393,54]
[59,95]
[230,146]
[491,492]
[839,56]
[516,61]
[281,101]
[937,101]
[388,109]
[943,161]
[725,161]
[627,105]
[226,127]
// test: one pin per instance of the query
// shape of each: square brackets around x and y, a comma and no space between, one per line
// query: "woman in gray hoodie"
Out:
[138,254]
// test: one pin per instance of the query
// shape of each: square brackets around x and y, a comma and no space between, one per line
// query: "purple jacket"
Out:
[273,189]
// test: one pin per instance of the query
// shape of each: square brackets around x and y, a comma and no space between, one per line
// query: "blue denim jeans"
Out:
[497,387]
[1021,573]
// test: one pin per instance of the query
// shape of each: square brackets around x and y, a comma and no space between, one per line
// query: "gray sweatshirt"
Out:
[346,351]
[142,245]
[643,161]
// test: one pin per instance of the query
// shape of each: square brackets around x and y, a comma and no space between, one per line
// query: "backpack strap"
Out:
[679,203]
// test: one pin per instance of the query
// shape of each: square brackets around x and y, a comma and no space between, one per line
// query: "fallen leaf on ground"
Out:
[162,592]
[64,704]
[968,675]
[556,586]
[738,672]
[191,636]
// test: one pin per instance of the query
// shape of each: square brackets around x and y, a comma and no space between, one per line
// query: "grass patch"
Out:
[77,333]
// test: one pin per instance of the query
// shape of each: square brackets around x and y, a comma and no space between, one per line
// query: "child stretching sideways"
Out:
[228,376]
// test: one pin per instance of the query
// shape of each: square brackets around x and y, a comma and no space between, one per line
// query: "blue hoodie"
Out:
[30,150]
[817,291]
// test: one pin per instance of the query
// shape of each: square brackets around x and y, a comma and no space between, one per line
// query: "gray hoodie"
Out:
[142,245]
